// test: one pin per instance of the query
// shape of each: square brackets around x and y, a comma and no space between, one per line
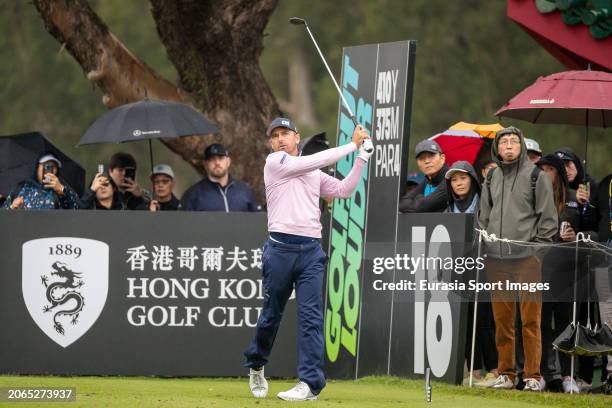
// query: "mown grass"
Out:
[234,392]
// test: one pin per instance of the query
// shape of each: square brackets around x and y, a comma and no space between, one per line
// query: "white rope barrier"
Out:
[580,237]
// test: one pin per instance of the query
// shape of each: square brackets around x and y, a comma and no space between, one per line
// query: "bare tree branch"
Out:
[108,63]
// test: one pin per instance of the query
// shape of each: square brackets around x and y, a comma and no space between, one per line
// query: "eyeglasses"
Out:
[509,142]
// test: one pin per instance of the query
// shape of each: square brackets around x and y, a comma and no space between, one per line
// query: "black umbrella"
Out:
[314,144]
[18,154]
[145,120]
[605,336]
[579,340]
[584,341]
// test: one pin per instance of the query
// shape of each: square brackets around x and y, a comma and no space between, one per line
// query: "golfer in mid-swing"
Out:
[293,255]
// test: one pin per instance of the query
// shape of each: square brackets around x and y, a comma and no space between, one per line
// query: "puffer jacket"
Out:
[37,197]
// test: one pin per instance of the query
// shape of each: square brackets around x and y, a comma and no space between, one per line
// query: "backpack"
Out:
[535,173]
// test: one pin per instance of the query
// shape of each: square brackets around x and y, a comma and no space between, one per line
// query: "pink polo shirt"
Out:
[294,185]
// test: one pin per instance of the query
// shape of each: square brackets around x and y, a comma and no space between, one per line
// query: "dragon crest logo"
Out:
[65,284]
[68,289]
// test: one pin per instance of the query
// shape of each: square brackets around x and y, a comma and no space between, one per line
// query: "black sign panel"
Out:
[390,136]
[134,293]
[377,83]
[429,326]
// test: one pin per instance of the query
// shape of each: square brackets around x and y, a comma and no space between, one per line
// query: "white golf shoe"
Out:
[258,383]
[570,386]
[503,382]
[301,392]
[487,381]
[532,384]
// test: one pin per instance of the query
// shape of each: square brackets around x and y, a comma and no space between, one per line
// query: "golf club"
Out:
[300,21]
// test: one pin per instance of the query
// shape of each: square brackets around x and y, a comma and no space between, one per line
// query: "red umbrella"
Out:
[571,98]
[459,145]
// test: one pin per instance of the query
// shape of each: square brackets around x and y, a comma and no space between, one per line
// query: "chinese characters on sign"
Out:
[162,258]
[198,275]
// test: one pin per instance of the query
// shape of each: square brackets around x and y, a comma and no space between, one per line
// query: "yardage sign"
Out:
[377,82]
[369,331]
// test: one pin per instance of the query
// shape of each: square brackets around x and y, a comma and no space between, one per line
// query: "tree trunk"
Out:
[215,47]
[300,106]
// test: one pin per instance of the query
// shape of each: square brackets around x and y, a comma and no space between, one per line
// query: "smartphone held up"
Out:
[47,169]
[130,173]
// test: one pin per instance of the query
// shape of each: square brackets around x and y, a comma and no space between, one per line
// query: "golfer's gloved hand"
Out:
[366,149]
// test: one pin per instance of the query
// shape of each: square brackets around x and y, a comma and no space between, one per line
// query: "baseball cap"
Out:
[415,177]
[50,157]
[427,146]
[215,149]
[162,169]
[280,122]
[533,145]
[460,166]
[563,155]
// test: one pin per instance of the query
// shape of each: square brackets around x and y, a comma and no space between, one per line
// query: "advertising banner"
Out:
[377,82]
[134,293]
[179,294]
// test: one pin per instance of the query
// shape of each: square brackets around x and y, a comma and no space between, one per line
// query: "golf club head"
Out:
[297,21]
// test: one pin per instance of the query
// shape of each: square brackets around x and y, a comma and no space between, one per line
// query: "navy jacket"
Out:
[437,201]
[207,195]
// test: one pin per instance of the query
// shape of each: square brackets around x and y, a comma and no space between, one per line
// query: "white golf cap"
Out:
[450,173]
[533,145]
[162,169]
[460,166]
[50,157]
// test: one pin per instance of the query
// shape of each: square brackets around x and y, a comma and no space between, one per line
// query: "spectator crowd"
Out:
[117,188]
[540,200]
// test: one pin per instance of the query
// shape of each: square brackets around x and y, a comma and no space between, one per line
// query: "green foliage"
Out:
[45,89]
[470,60]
